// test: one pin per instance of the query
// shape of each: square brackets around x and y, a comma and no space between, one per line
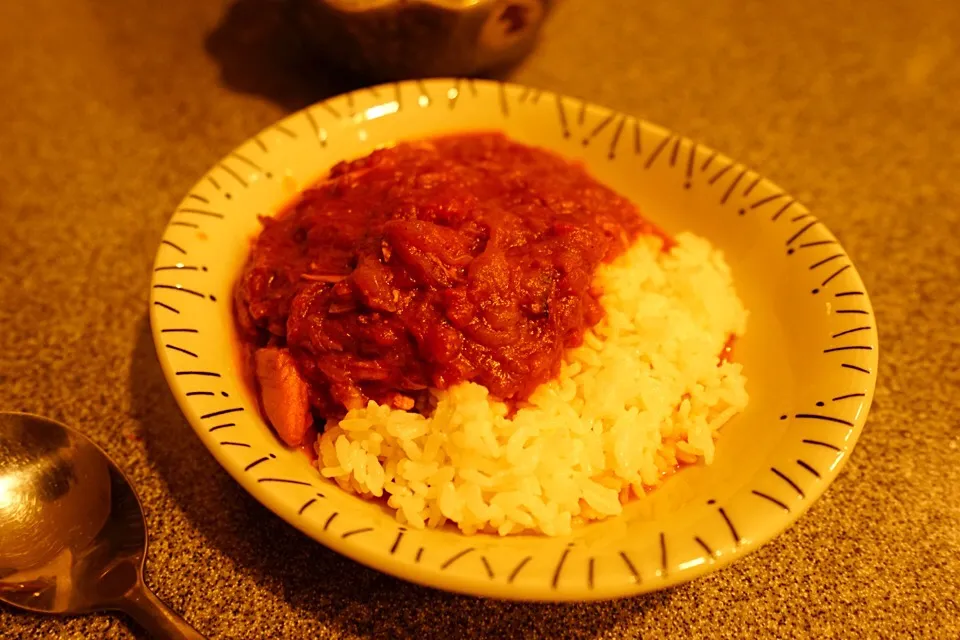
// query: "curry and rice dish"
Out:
[478,332]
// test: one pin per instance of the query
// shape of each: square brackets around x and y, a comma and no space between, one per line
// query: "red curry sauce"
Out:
[462,258]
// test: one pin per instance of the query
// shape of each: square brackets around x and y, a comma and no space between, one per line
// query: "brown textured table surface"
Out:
[110,110]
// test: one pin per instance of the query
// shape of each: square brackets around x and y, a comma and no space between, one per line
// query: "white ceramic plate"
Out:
[810,352]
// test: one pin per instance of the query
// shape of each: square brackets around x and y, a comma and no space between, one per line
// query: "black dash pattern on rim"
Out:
[449,561]
[200,212]
[396,542]
[849,331]
[771,499]
[853,367]
[785,478]
[675,151]
[329,108]
[720,174]
[230,443]
[200,393]
[176,267]
[305,506]
[353,532]
[174,246]
[590,569]
[733,529]
[733,185]
[257,462]
[691,156]
[600,127]
[848,396]
[330,519]
[285,481]
[351,111]
[706,163]
[656,152]
[782,210]
[809,468]
[221,412]
[706,548]
[853,347]
[174,347]
[835,274]
[517,569]
[179,331]
[222,426]
[821,443]
[564,127]
[612,152]
[559,569]
[663,554]
[285,130]
[630,566]
[752,186]
[820,263]
[315,127]
[762,201]
[504,107]
[796,236]
[233,174]
[487,567]
[181,289]
[816,243]
[164,305]
[211,374]
[814,416]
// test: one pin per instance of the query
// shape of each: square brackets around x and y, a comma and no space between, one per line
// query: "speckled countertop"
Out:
[109,111]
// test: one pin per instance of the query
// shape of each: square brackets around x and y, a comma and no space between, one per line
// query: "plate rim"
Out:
[355,548]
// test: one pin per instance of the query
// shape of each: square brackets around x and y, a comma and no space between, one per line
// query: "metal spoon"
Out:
[72,534]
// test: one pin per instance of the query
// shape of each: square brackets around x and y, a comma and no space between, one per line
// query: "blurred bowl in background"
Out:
[399,39]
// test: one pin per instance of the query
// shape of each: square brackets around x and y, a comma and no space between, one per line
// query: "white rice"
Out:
[645,391]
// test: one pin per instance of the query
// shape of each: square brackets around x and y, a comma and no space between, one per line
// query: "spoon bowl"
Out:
[72,534]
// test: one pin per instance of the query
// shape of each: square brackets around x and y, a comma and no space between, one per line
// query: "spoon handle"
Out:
[160,621]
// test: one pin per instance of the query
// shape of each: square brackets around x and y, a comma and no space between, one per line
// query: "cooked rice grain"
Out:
[645,392]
